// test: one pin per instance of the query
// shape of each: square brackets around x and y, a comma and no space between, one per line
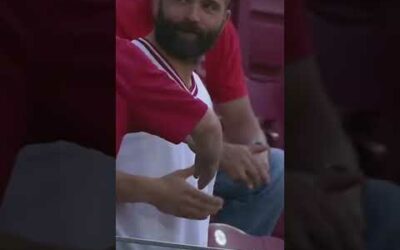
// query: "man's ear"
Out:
[227,16]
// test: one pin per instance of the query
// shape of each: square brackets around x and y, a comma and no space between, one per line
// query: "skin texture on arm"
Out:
[206,141]
[240,124]
[241,159]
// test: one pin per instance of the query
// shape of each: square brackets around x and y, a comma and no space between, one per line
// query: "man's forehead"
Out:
[221,2]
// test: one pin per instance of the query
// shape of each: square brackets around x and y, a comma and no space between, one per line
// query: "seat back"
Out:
[260,27]
[225,236]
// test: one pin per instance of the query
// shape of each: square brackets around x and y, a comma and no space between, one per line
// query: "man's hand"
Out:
[177,197]
[248,164]
[318,218]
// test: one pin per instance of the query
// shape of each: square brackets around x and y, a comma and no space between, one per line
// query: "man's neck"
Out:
[184,69]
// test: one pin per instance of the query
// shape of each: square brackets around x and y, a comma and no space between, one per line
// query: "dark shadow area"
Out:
[58,123]
[341,125]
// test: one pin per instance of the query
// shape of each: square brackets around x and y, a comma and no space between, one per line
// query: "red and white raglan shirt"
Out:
[154,104]
[145,154]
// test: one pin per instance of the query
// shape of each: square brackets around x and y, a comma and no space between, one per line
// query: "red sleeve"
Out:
[148,100]
[224,71]
[298,42]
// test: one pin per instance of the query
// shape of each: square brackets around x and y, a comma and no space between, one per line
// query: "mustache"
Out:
[190,27]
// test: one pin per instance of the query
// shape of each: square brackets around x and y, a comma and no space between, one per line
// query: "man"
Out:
[184,31]
[242,162]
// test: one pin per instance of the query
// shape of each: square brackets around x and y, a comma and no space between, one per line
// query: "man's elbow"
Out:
[208,127]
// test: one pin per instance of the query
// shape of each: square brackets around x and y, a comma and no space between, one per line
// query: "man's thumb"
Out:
[257,148]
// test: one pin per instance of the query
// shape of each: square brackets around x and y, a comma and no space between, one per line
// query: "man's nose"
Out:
[194,12]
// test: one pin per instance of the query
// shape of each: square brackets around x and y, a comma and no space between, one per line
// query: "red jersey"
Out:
[147,100]
[222,70]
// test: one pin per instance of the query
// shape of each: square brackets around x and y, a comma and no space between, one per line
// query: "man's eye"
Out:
[211,6]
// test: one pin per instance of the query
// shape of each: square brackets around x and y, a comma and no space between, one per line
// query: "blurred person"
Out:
[247,163]
[57,164]
[329,203]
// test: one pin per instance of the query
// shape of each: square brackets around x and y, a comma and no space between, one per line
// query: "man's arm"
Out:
[240,124]
[206,141]
[226,83]
[171,194]
[246,151]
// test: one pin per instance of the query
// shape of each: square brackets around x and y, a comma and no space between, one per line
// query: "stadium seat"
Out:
[260,28]
[267,100]
[225,236]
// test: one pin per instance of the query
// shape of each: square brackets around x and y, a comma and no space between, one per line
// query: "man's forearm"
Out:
[131,188]
[240,123]
[206,140]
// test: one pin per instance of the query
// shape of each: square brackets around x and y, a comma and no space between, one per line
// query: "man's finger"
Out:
[252,172]
[204,180]
[194,214]
[205,198]
[242,177]
[262,167]
[204,207]
[257,148]
[185,173]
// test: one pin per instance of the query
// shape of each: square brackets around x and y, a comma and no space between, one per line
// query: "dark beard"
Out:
[168,36]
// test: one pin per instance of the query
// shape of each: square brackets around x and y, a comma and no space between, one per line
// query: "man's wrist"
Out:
[151,190]
[131,188]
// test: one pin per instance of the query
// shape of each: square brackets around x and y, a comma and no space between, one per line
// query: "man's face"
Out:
[187,29]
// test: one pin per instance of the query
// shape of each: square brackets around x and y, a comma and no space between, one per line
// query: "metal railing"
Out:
[163,244]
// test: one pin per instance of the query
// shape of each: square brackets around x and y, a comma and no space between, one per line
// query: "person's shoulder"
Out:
[126,48]
[227,43]
[130,58]
[228,34]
